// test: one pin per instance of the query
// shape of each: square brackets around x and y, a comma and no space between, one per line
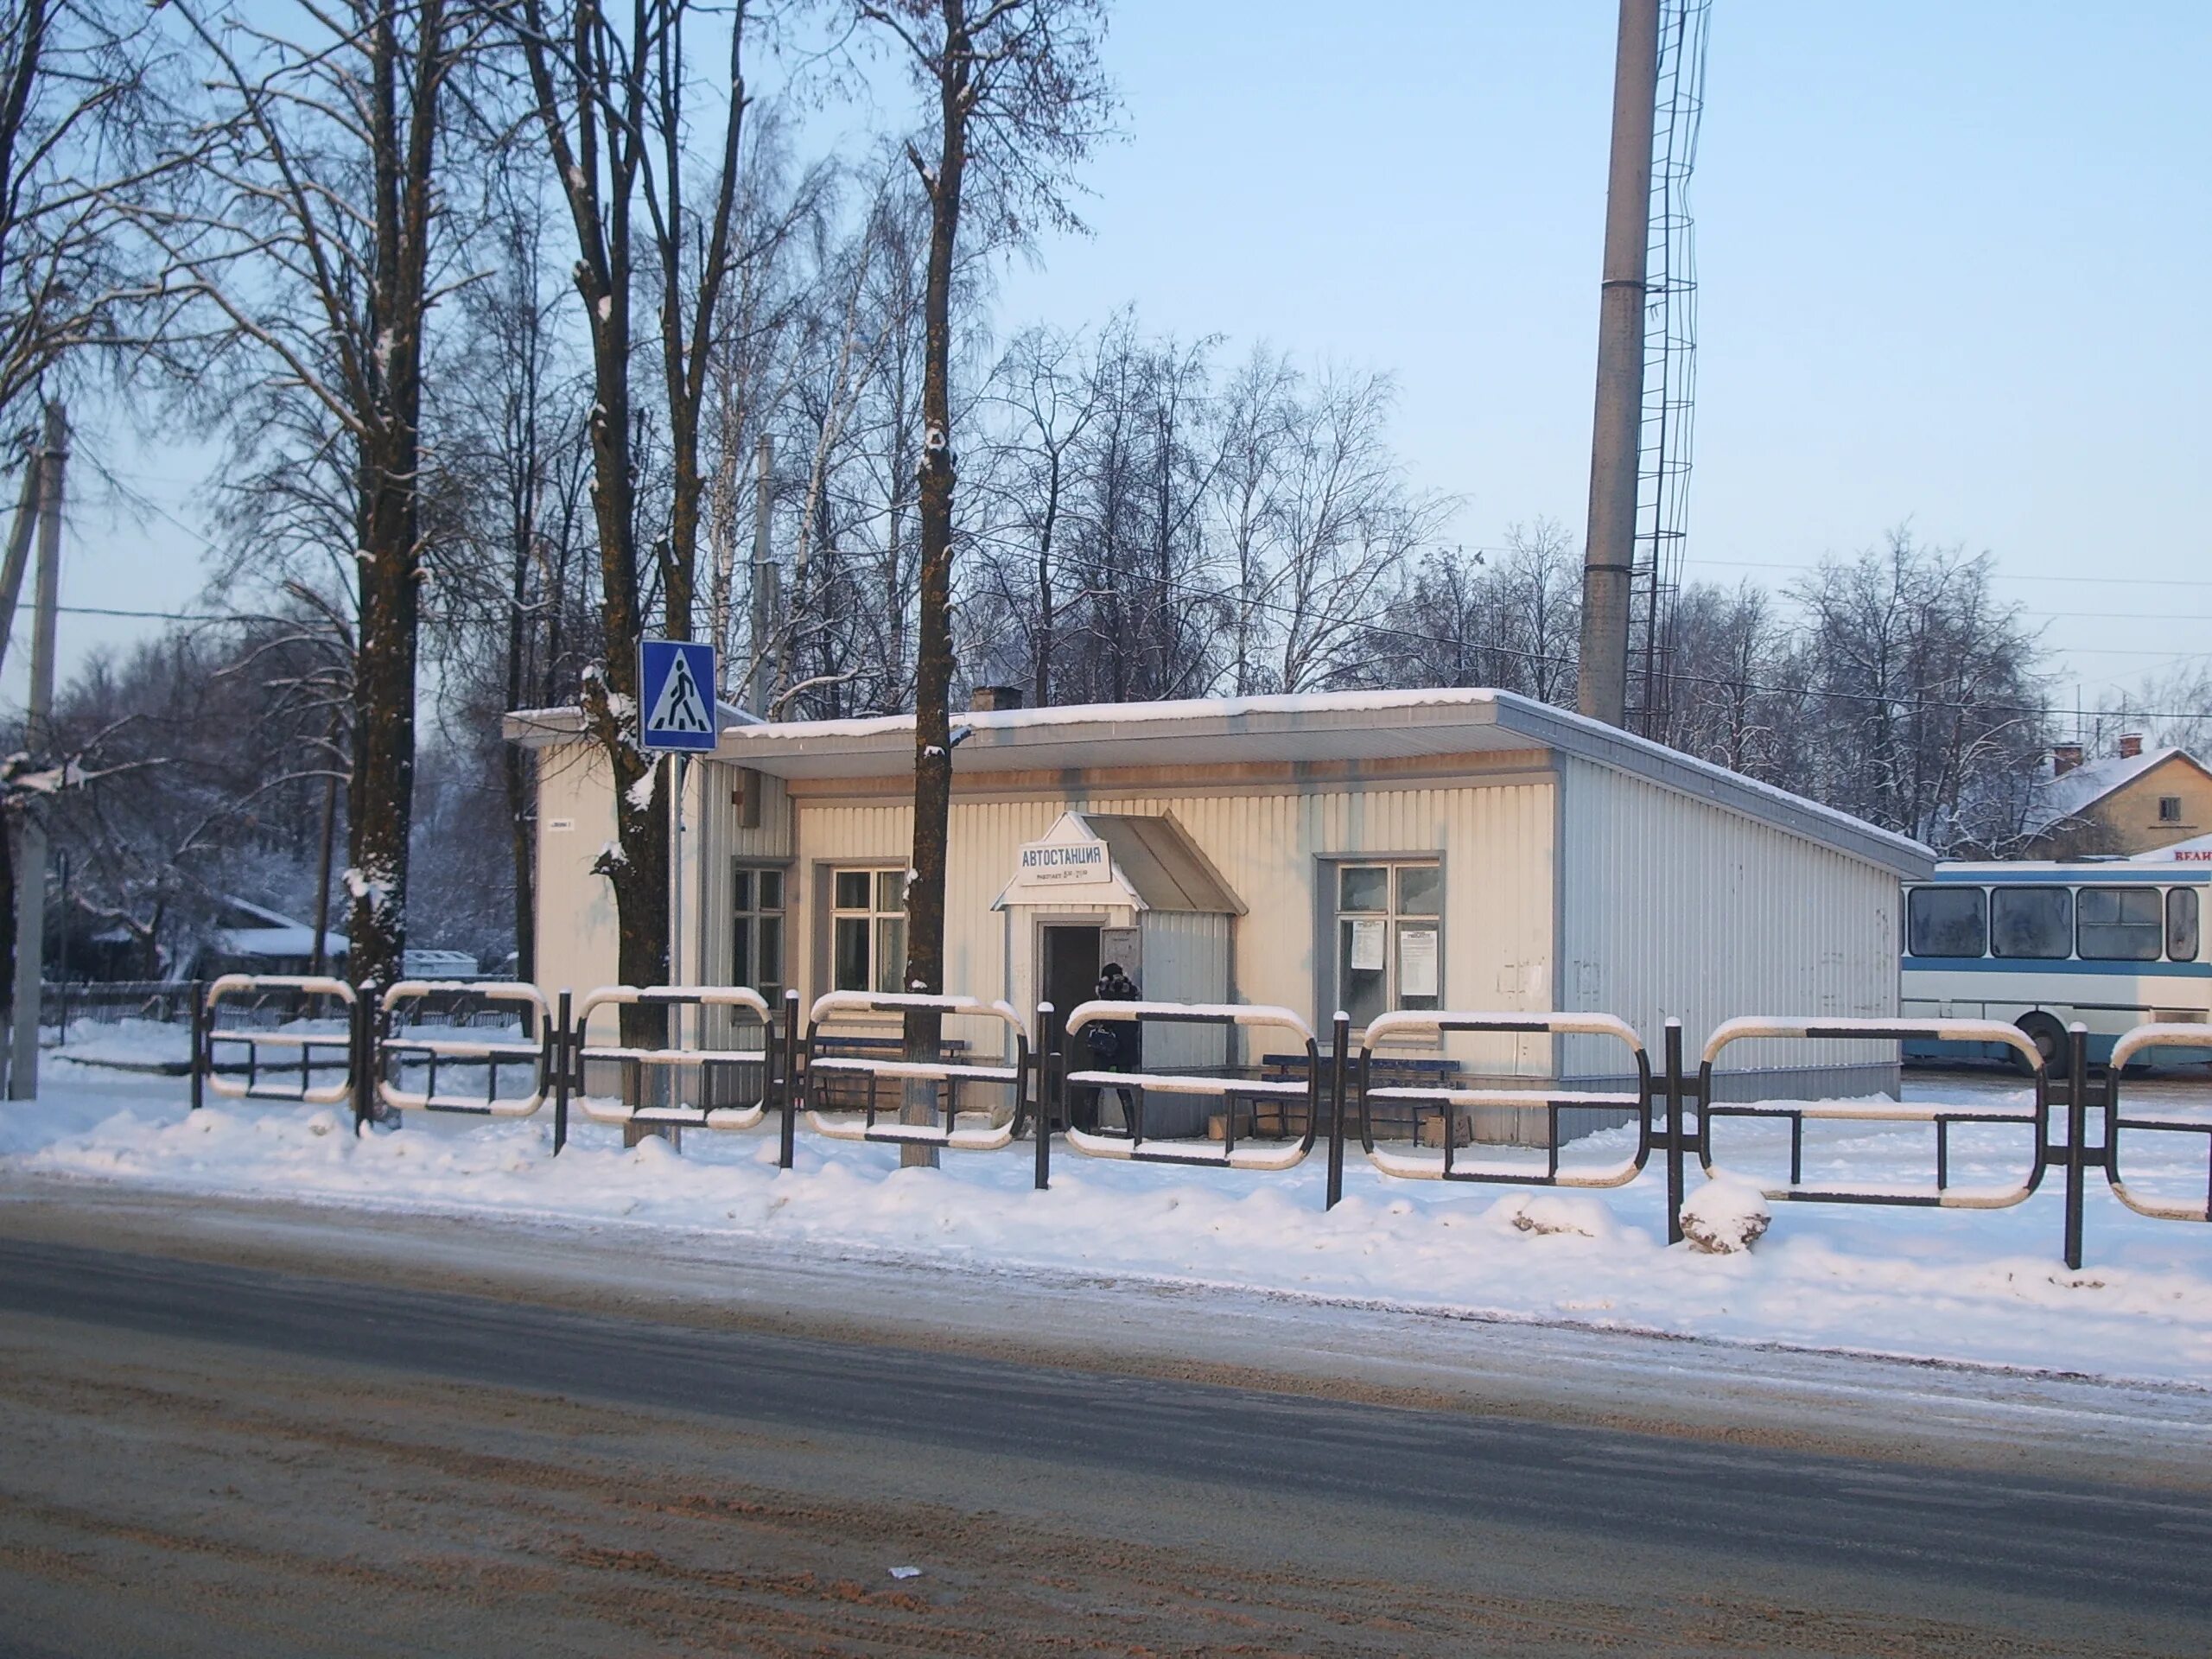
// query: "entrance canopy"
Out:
[1135,863]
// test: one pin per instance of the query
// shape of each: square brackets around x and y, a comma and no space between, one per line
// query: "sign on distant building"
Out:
[676,688]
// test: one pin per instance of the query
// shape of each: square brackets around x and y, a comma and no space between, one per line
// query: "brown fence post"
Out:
[2077,1126]
[561,1047]
[1339,1040]
[787,1094]
[1674,1081]
[198,1026]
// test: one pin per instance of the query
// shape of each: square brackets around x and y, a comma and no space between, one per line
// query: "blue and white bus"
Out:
[2110,942]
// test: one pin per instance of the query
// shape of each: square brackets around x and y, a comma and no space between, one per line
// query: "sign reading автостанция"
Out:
[1068,861]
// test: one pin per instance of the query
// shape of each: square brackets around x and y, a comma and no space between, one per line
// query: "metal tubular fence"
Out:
[1941,1194]
[395,1051]
[636,1064]
[278,999]
[910,1075]
[1228,1090]
[2135,1042]
[1672,1108]
[1447,1101]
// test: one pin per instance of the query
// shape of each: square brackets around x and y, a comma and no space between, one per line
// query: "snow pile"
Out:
[1978,1285]
[1725,1215]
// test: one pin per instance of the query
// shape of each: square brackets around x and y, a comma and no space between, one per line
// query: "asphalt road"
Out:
[1441,1530]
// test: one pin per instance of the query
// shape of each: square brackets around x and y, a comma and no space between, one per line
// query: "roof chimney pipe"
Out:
[2130,745]
[2064,757]
[991,699]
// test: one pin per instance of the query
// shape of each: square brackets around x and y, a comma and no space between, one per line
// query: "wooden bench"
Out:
[851,1091]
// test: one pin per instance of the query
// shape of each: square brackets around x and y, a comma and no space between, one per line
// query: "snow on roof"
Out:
[282,936]
[1341,725]
[2195,850]
[2073,792]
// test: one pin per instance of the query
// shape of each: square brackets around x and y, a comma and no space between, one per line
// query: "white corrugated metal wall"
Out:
[576,904]
[1671,905]
[1495,838]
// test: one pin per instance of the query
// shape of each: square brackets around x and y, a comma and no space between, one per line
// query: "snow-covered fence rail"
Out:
[1943,1117]
[823,1071]
[1312,1093]
[319,1042]
[274,1051]
[642,1070]
[399,1047]
[2140,1040]
[1447,1101]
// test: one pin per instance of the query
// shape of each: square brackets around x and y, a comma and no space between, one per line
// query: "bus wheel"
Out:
[2049,1038]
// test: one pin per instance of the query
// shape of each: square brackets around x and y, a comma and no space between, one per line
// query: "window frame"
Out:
[1981,927]
[2166,802]
[1331,917]
[2156,924]
[744,922]
[2195,923]
[1999,894]
[875,915]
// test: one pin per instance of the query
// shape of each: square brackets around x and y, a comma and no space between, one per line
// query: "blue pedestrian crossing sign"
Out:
[676,690]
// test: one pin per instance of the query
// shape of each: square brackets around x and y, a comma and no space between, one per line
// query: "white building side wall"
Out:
[576,904]
[1780,926]
[1496,839]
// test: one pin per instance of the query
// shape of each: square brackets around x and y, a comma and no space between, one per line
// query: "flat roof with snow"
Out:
[1328,727]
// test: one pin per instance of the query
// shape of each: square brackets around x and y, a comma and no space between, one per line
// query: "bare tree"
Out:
[74,159]
[613,100]
[1346,525]
[1048,402]
[309,231]
[1019,94]
[1930,710]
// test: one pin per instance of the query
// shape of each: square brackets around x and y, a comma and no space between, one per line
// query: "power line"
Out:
[151,616]
[1997,575]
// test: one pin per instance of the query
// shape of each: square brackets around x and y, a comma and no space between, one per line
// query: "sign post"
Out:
[677,717]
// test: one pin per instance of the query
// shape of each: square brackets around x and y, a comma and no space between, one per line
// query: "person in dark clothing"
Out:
[1115,1045]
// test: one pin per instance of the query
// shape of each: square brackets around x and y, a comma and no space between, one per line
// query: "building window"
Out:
[1948,922]
[757,932]
[2119,924]
[867,929]
[2169,809]
[2032,922]
[1389,938]
[2180,924]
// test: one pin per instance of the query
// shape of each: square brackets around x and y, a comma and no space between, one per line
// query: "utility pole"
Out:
[764,582]
[1609,548]
[19,548]
[38,735]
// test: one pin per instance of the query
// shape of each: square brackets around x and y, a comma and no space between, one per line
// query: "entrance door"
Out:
[1071,973]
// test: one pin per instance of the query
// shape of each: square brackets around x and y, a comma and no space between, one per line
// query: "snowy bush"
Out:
[1724,1215]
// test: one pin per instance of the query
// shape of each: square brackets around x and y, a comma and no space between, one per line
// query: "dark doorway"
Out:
[1070,970]
[1070,975]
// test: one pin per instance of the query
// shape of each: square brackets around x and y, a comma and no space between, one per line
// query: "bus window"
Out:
[1948,922]
[2119,924]
[2180,924]
[2037,922]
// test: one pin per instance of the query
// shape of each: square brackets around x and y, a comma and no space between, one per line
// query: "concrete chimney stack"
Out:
[990,699]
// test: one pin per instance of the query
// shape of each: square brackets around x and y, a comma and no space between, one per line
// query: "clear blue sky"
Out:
[1952,257]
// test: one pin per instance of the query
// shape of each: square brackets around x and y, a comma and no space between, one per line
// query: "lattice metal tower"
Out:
[1669,364]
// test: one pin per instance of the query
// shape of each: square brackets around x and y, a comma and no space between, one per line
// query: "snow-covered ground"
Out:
[1978,1286]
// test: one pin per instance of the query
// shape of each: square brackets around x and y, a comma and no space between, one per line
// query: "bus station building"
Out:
[1443,849]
